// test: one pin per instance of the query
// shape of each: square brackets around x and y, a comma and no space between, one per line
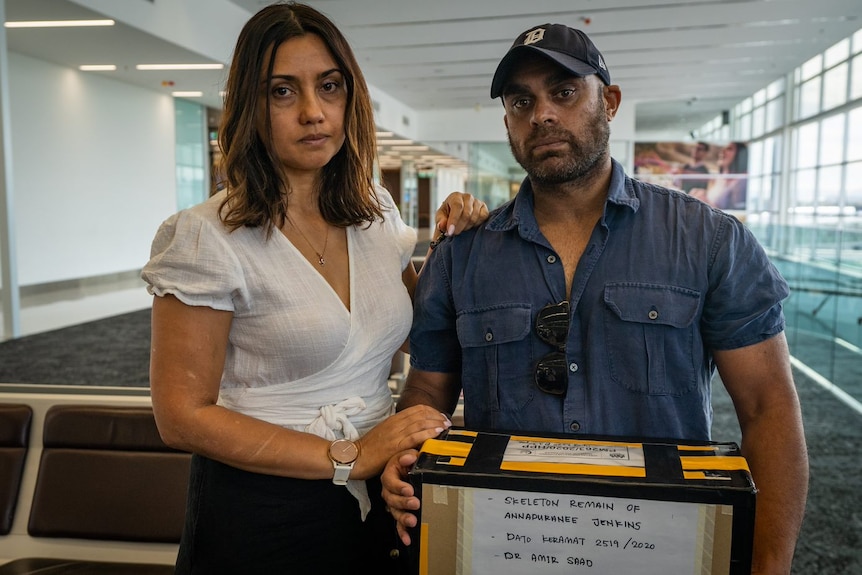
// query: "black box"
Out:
[495,503]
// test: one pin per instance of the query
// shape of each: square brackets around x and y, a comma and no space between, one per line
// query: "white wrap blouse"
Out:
[296,357]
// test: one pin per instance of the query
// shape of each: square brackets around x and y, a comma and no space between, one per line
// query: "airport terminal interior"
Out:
[94,158]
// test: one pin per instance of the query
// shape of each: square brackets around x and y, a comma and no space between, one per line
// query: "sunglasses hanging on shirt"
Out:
[552,327]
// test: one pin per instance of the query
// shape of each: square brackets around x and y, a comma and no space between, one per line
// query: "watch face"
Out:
[343,451]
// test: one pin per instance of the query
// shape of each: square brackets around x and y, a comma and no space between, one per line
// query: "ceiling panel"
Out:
[681,61]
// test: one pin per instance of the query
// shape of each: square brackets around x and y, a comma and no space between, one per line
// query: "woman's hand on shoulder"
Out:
[458,212]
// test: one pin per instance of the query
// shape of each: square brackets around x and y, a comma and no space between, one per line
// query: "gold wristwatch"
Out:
[343,454]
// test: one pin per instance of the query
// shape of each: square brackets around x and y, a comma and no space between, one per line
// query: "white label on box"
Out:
[517,532]
[579,452]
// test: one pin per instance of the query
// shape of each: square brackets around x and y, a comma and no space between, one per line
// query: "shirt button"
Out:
[575,426]
[653,314]
[552,259]
[573,367]
[489,336]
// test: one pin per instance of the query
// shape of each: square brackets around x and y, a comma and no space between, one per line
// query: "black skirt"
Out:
[243,523]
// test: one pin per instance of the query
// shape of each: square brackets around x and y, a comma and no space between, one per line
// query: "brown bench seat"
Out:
[104,474]
[15,422]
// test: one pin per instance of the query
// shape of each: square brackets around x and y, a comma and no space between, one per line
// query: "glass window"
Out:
[835,87]
[804,187]
[811,68]
[715,124]
[832,140]
[760,97]
[857,42]
[853,196]
[708,129]
[774,114]
[809,98]
[837,53]
[757,121]
[755,158]
[854,135]
[766,195]
[745,106]
[775,89]
[752,194]
[856,78]
[192,177]
[743,128]
[770,162]
[806,146]
[829,186]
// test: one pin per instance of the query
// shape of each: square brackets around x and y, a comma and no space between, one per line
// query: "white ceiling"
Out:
[682,61]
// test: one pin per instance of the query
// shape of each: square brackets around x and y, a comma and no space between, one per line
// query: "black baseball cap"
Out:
[570,48]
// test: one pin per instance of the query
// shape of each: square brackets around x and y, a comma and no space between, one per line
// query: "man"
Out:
[697,166]
[596,304]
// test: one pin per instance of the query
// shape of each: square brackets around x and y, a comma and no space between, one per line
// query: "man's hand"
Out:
[398,493]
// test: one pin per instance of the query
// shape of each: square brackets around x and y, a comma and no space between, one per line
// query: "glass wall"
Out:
[492,173]
[805,202]
[193,176]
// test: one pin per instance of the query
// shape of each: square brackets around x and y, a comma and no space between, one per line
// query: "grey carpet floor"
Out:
[115,352]
[108,352]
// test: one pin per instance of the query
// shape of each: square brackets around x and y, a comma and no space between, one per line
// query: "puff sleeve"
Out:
[191,259]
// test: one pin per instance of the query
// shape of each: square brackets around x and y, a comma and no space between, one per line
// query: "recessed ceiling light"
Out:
[179,66]
[58,23]
[188,94]
[410,148]
[97,67]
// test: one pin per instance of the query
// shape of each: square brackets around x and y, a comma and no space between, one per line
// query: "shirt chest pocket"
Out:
[651,337]
[497,356]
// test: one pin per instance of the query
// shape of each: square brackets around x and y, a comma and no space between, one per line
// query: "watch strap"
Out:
[342,472]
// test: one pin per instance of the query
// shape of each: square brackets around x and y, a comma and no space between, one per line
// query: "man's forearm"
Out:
[779,464]
[439,390]
[416,396]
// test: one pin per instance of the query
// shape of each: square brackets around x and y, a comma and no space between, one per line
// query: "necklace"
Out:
[320,259]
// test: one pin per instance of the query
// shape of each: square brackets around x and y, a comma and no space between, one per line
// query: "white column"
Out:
[8,254]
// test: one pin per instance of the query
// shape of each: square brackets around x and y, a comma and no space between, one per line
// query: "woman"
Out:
[279,304]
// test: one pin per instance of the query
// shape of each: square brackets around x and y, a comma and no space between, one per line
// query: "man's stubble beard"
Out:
[583,158]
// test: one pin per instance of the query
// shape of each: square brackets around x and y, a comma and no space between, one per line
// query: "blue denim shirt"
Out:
[664,280]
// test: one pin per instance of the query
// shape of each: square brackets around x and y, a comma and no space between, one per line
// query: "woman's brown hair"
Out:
[249,165]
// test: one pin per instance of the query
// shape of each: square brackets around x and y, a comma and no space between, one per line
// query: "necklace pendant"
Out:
[320,260]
